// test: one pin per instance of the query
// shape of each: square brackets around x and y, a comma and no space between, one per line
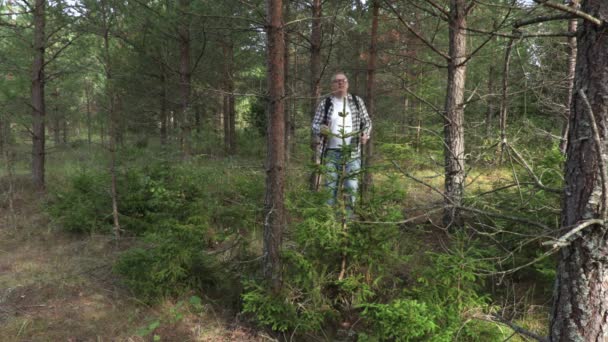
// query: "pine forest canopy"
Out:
[488,135]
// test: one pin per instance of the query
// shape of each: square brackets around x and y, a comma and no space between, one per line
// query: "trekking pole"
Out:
[321,159]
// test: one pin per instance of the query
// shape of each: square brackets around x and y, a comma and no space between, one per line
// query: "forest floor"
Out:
[59,287]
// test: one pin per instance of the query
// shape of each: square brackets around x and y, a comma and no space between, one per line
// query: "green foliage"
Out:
[256,116]
[278,312]
[550,168]
[181,211]
[83,206]
[400,320]
[173,262]
[450,288]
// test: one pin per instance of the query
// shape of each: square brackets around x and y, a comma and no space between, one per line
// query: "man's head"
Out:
[339,84]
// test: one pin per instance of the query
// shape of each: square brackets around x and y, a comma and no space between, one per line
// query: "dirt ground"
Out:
[60,287]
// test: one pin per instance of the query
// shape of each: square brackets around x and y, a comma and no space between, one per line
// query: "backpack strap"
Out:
[327,105]
[356,102]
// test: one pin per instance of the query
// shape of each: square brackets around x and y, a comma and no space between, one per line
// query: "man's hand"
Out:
[364,138]
[324,129]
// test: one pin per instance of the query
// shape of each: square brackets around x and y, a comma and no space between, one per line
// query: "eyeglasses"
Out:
[340,80]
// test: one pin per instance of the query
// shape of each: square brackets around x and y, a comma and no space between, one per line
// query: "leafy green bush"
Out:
[84,206]
[450,288]
[279,312]
[400,320]
[173,261]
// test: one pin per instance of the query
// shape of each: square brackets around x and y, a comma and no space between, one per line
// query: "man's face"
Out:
[339,85]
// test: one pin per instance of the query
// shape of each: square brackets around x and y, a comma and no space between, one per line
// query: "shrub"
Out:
[173,262]
[400,320]
[83,206]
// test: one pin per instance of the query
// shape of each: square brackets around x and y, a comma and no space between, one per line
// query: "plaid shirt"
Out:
[361,121]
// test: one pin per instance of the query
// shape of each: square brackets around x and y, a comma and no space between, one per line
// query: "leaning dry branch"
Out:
[571,10]
[537,181]
[519,330]
[565,239]
[505,217]
[542,19]
[473,210]
[411,219]
[600,152]
[421,182]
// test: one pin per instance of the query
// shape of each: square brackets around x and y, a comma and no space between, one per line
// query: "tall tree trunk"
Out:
[370,100]
[315,79]
[580,305]
[504,102]
[572,26]
[2,135]
[163,105]
[87,95]
[64,129]
[226,117]
[38,106]
[454,114]
[491,107]
[230,110]
[198,115]
[56,118]
[185,75]
[315,56]
[112,120]
[275,218]
[288,135]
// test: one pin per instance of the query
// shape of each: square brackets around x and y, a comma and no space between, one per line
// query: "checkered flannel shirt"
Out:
[361,120]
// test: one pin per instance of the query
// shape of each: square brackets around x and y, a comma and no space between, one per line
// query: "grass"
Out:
[60,287]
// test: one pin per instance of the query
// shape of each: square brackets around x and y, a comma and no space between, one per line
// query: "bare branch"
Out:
[542,19]
[415,33]
[537,181]
[517,329]
[565,239]
[571,10]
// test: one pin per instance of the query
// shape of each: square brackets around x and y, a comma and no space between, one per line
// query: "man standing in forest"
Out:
[340,126]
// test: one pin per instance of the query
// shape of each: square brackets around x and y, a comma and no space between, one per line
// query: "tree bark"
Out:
[87,95]
[454,113]
[288,136]
[112,120]
[275,218]
[56,118]
[185,75]
[370,100]
[230,110]
[504,102]
[37,97]
[580,306]
[163,105]
[315,56]
[315,79]
[491,107]
[572,27]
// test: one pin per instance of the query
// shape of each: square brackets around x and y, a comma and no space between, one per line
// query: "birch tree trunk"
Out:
[572,27]
[371,73]
[185,75]
[112,120]
[275,219]
[315,81]
[580,306]
[163,117]
[37,97]
[454,114]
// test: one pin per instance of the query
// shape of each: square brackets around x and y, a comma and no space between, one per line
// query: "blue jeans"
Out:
[334,162]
